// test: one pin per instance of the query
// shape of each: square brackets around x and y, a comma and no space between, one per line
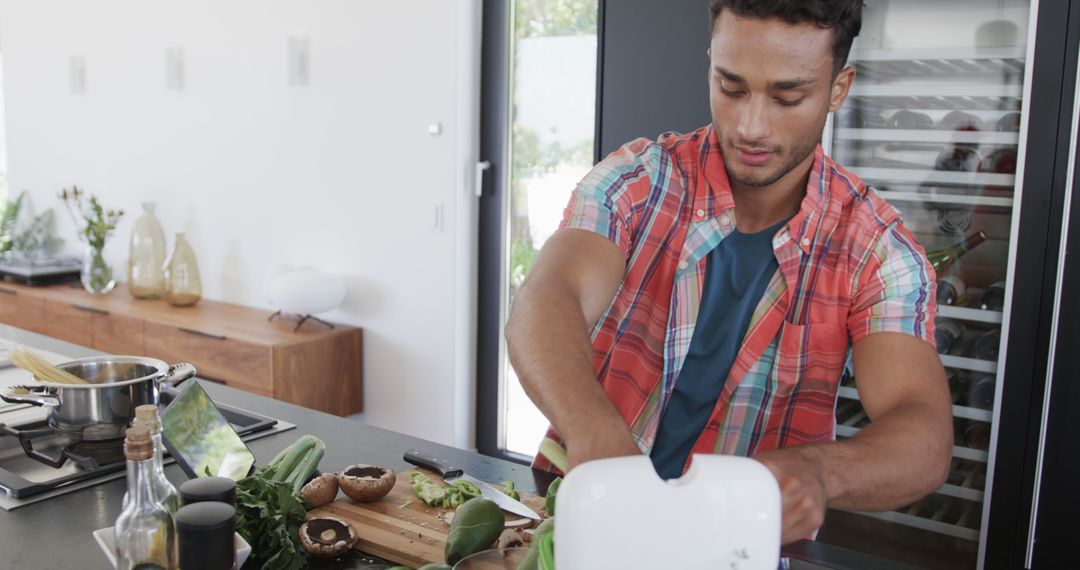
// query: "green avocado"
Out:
[477,524]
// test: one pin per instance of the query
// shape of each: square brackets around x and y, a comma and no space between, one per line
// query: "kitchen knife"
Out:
[450,474]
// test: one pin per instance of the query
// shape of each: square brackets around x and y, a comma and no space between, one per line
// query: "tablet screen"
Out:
[201,439]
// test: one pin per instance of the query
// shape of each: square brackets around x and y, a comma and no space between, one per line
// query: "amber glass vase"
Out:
[183,286]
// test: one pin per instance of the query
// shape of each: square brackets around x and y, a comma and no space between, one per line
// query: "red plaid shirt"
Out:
[848,268]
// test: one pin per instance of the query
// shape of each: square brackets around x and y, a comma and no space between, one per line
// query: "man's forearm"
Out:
[899,458]
[549,346]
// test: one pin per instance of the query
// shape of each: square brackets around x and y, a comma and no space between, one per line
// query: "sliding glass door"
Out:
[538,108]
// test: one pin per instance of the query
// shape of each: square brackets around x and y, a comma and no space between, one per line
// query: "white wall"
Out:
[340,174]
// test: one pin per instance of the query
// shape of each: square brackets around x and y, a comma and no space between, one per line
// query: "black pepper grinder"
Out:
[206,532]
[199,489]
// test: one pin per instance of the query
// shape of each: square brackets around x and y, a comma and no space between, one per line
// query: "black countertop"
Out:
[56,533]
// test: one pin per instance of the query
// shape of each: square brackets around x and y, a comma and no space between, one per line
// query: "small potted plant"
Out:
[96,226]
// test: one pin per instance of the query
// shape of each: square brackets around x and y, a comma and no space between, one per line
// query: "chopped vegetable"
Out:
[269,512]
[509,490]
[554,453]
[434,495]
[553,489]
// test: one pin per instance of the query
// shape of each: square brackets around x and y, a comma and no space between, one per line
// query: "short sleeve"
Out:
[895,290]
[603,202]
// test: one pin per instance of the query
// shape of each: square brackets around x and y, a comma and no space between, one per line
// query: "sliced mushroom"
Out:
[366,483]
[327,537]
[320,491]
[509,539]
[519,523]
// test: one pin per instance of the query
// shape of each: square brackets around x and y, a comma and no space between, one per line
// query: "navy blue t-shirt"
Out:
[737,272]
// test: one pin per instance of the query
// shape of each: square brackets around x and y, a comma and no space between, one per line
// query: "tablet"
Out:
[201,440]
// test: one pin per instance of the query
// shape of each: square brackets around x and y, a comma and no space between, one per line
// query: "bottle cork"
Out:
[137,444]
[147,415]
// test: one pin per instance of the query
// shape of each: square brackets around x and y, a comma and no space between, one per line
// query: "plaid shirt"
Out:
[848,268]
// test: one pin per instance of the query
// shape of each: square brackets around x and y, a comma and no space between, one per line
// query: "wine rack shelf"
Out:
[966,412]
[919,197]
[940,93]
[965,363]
[959,452]
[934,176]
[939,527]
[966,314]
[944,62]
[928,136]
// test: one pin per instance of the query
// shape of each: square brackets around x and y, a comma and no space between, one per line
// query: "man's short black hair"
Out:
[843,17]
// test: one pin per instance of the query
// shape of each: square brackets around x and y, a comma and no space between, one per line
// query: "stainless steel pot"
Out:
[102,409]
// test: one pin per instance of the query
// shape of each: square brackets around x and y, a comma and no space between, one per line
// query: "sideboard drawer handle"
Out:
[94,310]
[200,333]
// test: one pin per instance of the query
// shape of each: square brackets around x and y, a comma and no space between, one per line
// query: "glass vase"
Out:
[146,274]
[183,286]
[96,274]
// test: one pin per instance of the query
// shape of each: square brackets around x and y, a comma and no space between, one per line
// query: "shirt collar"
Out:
[802,227]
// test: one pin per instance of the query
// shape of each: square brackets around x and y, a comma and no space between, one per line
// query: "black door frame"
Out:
[494,142]
[1049,106]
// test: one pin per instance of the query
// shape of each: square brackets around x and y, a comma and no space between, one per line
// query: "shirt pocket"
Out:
[811,356]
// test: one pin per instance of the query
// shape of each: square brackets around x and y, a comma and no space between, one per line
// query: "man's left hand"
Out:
[802,490]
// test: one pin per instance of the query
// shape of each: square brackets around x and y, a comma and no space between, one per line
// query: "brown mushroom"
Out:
[366,483]
[327,537]
[320,491]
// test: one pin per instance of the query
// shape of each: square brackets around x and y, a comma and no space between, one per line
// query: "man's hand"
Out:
[802,490]
[609,442]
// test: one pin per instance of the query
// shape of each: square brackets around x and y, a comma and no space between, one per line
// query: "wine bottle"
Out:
[981,393]
[987,345]
[960,121]
[946,334]
[958,159]
[905,119]
[942,259]
[976,435]
[993,298]
[950,290]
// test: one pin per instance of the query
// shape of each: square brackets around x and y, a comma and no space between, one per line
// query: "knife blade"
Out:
[450,473]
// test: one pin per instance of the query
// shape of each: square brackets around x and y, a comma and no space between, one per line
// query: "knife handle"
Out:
[432,463]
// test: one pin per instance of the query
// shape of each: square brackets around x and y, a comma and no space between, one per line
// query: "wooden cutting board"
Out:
[400,528]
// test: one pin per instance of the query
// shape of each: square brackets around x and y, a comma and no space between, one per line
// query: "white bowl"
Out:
[104,538]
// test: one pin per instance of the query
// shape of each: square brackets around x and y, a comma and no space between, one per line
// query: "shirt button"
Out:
[683,265]
[725,220]
[701,213]
[805,242]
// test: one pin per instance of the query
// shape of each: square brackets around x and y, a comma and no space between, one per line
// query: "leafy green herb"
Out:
[268,512]
[98,223]
[268,516]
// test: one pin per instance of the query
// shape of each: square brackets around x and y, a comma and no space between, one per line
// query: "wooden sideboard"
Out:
[315,367]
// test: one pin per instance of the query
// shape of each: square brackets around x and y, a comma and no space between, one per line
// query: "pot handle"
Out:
[28,395]
[177,373]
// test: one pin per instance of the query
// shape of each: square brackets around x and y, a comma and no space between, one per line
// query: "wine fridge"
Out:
[941,122]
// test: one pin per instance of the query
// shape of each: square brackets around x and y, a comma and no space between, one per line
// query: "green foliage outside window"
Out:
[530,156]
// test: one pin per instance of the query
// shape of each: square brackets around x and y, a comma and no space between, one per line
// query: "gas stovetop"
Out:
[25,480]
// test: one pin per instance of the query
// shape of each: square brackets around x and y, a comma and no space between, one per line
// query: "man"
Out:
[704,290]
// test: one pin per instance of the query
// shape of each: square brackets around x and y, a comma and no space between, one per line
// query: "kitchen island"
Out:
[56,533]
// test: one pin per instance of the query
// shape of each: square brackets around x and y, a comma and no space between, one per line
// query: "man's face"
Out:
[770,88]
